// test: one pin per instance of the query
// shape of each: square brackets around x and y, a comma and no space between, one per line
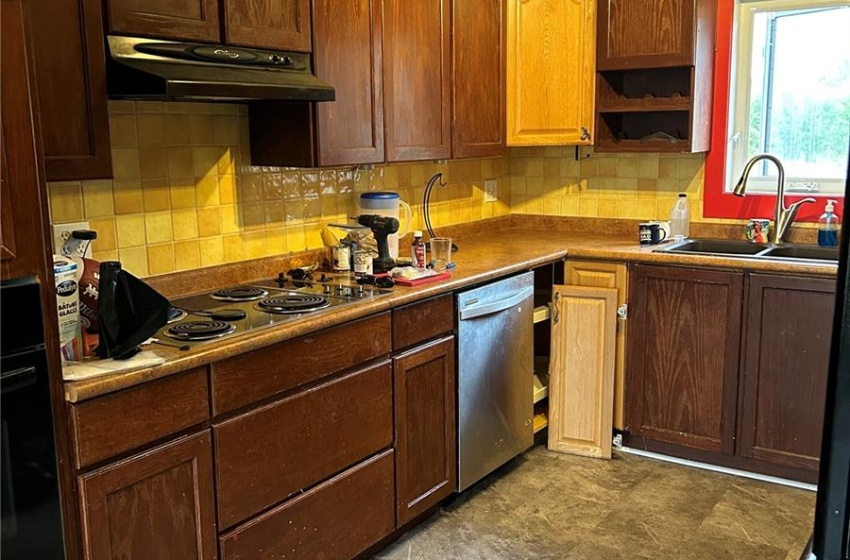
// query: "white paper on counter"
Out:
[76,371]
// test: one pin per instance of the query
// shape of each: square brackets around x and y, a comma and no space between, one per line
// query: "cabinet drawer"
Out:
[423,321]
[112,424]
[336,520]
[256,375]
[268,454]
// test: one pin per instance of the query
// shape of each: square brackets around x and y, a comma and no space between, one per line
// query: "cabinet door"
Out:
[191,20]
[478,100]
[647,33]
[70,76]
[425,433]
[581,377]
[348,55]
[157,505]
[614,276]
[550,72]
[270,24]
[684,339]
[417,86]
[784,374]
[22,245]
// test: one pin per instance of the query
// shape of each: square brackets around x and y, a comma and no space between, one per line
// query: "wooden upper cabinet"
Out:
[550,72]
[191,20]
[478,82]
[648,33]
[156,505]
[684,339]
[417,80]
[347,54]
[785,369]
[22,197]
[70,76]
[268,24]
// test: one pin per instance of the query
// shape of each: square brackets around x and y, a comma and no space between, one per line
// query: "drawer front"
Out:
[266,455]
[262,373]
[423,321]
[337,520]
[113,424]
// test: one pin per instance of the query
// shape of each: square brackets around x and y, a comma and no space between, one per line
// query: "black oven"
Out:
[31,523]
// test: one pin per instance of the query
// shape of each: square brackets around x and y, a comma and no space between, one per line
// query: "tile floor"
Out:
[546,506]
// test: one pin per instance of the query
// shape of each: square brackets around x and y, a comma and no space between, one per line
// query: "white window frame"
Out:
[739,92]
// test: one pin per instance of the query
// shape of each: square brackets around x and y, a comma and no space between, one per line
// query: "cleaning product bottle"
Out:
[418,250]
[680,218]
[828,226]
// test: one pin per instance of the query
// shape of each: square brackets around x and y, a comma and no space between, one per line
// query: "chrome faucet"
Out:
[783,217]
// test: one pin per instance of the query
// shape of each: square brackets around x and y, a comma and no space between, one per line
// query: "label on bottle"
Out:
[419,255]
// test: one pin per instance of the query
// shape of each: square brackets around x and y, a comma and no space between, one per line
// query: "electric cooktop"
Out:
[247,307]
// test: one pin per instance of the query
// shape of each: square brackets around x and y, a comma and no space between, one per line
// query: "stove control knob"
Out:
[360,291]
[340,289]
[323,279]
[327,288]
[281,279]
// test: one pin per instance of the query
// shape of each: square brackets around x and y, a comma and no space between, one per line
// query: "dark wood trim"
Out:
[423,320]
[712,458]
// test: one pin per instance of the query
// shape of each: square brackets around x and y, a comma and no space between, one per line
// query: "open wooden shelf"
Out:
[540,421]
[627,105]
[643,146]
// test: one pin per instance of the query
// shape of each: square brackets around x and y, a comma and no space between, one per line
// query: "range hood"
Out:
[154,69]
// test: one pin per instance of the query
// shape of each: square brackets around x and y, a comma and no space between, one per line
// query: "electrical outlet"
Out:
[491,190]
[62,233]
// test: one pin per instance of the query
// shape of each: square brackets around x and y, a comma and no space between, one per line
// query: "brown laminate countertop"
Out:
[481,258]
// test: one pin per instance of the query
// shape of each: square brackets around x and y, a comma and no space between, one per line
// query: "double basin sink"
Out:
[747,250]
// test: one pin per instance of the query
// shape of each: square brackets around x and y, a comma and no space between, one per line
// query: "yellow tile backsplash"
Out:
[184,193]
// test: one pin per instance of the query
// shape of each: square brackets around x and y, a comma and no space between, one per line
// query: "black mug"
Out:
[651,233]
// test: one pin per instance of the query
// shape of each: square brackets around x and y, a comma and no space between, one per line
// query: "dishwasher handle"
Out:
[496,306]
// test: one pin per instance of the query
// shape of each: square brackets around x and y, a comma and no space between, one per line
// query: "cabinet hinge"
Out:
[623,311]
[585,134]
[555,315]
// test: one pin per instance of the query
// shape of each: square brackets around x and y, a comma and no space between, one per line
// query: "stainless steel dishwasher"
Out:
[495,375]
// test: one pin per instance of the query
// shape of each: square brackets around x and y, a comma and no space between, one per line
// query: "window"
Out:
[790,94]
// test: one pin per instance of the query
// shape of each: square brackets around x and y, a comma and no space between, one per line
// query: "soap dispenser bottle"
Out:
[828,226]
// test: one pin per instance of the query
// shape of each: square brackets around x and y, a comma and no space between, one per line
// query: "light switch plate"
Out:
[62,232]
[491,193]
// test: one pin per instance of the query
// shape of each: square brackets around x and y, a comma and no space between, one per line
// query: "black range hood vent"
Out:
[153,69]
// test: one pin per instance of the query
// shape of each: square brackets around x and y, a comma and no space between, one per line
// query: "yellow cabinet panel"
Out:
[607,275]
[551,52]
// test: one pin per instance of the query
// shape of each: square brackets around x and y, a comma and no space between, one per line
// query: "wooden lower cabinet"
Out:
[336,520]
[784,371]
[597,274]
[269,454]
[581,376]
[158,505]
[684,339]
[425,440]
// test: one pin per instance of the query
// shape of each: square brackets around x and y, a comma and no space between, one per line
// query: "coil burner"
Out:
[293,303]
[199,330]
[239,293]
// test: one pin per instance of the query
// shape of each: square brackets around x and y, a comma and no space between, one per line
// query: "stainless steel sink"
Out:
[807,252]
[723,247]
[747,250]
